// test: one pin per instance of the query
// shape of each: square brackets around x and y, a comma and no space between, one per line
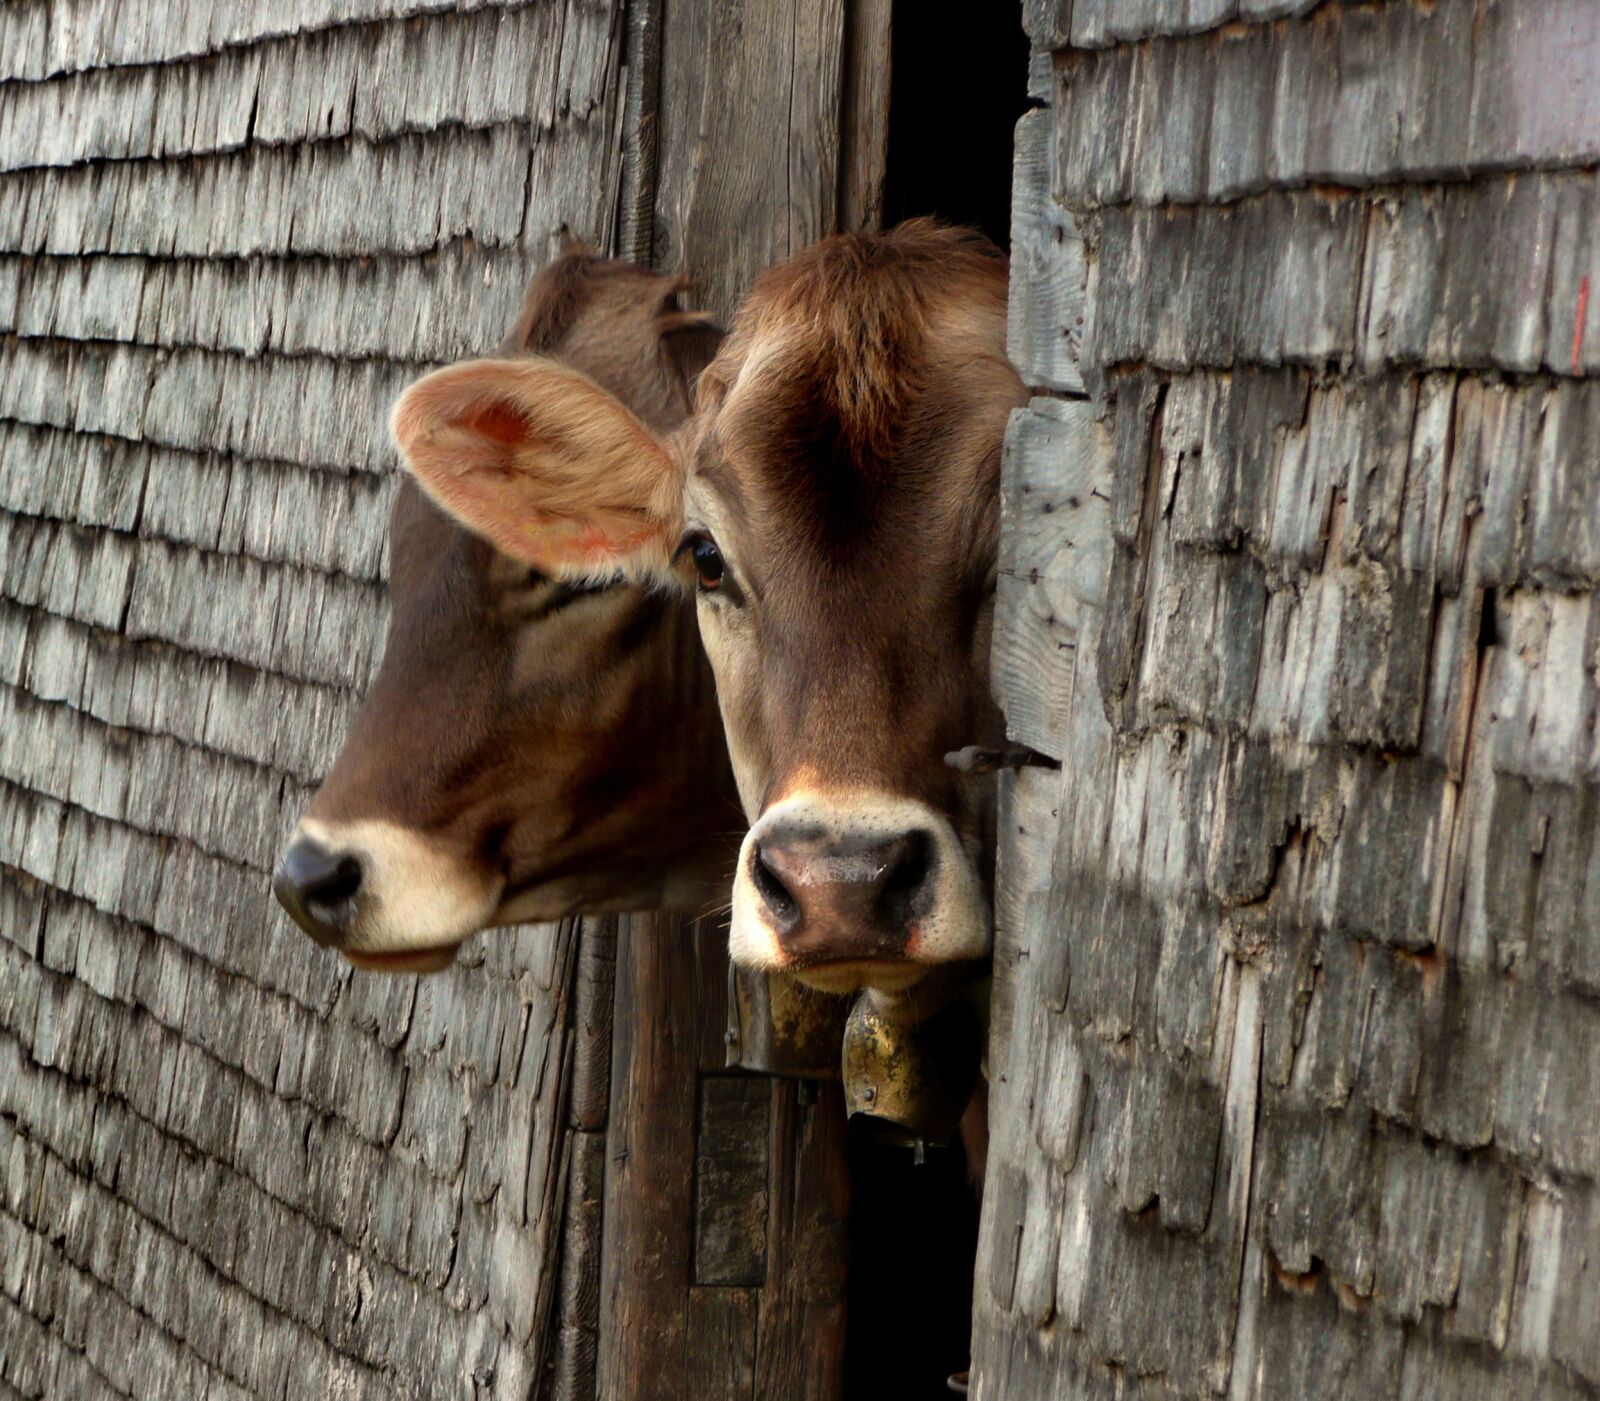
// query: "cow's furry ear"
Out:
[691,340]
[545,464]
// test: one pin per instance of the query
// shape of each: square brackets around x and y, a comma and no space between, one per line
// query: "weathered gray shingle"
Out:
[1318,278]
[1363,94]
[206,401]
[1294,1054]
[311,199]
[1045,311]
[431,307]
[233,234]
[484,67]
[46,37]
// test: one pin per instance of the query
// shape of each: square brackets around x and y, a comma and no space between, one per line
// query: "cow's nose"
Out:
[835,896]
[318,887]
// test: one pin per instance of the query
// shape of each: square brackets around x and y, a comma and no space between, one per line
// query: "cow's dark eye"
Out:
[708,565]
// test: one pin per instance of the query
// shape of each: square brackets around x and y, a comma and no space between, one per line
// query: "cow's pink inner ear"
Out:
[542,462]
[500,422]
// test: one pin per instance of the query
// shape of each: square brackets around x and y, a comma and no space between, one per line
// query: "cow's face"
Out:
[840,518]
[834,505]
[532,746]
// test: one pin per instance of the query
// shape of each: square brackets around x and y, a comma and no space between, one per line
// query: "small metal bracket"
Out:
[975,760]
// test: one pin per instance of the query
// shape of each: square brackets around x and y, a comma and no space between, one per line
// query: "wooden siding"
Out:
[1297,1037]
[234,1168]
[229,1166]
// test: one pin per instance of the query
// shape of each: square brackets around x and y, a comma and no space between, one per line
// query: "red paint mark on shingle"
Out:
[1577,330]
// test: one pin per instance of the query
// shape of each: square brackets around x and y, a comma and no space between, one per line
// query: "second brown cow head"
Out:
[833,503]
[532,746]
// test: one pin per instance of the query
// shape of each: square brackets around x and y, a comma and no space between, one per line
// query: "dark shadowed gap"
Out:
[913,1244]
[958,85]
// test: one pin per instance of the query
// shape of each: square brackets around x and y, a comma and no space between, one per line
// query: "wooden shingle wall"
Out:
[229,233]
[1297,1048]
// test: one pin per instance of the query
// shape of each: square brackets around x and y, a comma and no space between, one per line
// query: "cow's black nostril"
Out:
[776,895]
[318,887]
[338,884]
[910,862]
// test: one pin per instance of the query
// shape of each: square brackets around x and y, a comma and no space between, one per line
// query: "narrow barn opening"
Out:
[958,84]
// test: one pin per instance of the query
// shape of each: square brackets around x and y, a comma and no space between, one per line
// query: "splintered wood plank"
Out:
[725,1244]
[719,1187]
[1055,549]
[649,1195]
[725,1327]
[745,179]
[576,1342]
[803,1304]
[865,123]
[1044,319]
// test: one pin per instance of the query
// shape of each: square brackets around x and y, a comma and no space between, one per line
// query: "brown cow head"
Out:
[532,746]
[836,497]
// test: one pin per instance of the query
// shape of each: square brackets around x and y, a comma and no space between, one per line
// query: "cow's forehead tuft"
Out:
[819,412]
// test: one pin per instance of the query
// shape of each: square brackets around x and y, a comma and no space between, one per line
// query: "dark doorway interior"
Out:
[913,1245]
[958,84]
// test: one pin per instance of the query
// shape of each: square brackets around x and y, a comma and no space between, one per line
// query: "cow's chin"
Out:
[692,888]
[887,977]
[424,960]
[562,899]
[414,947]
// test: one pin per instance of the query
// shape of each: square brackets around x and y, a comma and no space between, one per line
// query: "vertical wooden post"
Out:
[726,1194]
